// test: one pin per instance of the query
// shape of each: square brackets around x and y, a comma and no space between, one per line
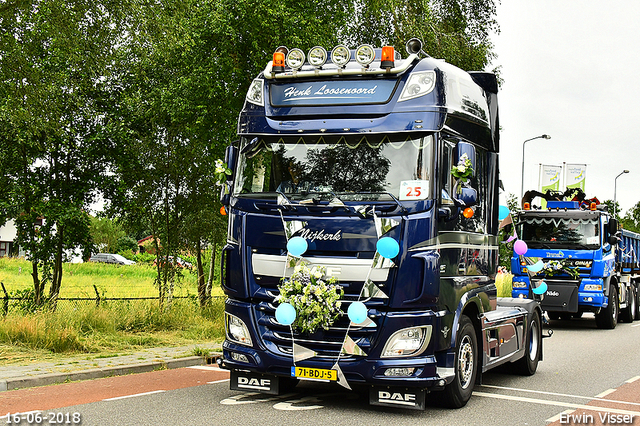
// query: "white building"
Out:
[7,235]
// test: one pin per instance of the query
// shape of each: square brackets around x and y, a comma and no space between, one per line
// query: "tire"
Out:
[627,314]
[457,393]
[607,318]
[528,364]
[637,313]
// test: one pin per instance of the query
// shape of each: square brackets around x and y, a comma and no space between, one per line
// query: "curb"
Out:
[97,373]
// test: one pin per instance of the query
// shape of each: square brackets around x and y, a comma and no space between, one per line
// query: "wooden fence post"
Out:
[5,308]
[97,296]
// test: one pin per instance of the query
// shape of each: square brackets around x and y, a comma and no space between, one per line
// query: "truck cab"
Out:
[578,246]
[347,150]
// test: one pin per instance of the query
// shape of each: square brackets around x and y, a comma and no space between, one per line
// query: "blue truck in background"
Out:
[344,149]
[589,264]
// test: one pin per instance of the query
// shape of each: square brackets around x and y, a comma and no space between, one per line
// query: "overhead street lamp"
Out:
[523,144]
[615,187]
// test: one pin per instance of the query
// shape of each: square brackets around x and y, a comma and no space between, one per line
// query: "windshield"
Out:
[344,166]
[555,232]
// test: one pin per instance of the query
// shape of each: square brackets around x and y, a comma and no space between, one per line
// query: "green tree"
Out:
[54,56]
[631,219]
[105,234]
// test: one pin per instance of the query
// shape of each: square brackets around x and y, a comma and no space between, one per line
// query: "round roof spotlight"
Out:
[283,49]
[340,55]
[295,58]
[365,55]
[413,46]
[317,56]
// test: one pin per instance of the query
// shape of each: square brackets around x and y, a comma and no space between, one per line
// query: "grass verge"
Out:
[108,329]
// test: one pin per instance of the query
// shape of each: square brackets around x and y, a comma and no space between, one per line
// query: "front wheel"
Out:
[528,364]
[457,393]
[607,318]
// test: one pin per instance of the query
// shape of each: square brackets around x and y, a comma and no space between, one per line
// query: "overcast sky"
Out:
[571,69]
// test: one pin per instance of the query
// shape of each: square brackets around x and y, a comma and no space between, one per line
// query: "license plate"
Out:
[314,374]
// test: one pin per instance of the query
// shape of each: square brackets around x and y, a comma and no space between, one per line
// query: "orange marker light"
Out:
[278,62]
[387,57]
[223,211]
[526,206]
[593,207]
[468,212]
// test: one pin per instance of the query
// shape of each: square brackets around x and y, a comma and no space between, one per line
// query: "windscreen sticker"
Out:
[593,240]
[414,190]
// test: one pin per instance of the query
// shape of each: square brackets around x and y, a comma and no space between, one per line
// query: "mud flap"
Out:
[256,382]
[398,397]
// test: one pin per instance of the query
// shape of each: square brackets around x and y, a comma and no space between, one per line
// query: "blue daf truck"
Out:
[341,150]
[588,264]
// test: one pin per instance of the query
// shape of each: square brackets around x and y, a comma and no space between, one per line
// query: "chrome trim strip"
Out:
[459,240]
[341,268]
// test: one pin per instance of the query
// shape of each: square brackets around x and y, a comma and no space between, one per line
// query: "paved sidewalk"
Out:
[92,367]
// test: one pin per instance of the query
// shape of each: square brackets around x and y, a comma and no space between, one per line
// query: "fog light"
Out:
[521,296]
[239,357]
[399,372]
[587,299]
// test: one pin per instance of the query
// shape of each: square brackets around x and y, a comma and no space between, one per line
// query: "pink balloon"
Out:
[520,247]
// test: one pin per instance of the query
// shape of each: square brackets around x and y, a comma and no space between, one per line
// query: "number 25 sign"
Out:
[414,190]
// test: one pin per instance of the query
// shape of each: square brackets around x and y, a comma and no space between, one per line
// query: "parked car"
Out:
[180,263]
[111,258]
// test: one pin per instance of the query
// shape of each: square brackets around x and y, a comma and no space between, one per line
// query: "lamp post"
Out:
[615,187]
[523,144]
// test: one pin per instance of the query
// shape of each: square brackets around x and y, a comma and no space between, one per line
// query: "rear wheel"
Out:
[627,314]
[457,393]
[637,313]
[607,318]
[528,364]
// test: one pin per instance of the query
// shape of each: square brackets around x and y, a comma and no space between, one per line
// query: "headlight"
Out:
[519,284]
[295,58]
[407,342]
[237,331]
[255,92]
[419,84]
[593,287]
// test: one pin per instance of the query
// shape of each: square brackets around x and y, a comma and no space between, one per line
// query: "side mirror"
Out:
[467,197]
[612,226]
[230,158]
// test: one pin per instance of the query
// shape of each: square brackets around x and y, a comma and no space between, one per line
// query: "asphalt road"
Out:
[588,376]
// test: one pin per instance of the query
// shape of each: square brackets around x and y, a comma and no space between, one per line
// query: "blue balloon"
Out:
[503,212]
[541,289]
[286,314]
[297,246]
[388,247]
[536,267]
[357,312]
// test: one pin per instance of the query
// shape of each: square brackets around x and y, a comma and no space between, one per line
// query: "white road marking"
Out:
[133,396]
[218,381]
[556,418]
[605,393]
[557,403]
[206,367]
[633,379]
[588,398]
[637,325]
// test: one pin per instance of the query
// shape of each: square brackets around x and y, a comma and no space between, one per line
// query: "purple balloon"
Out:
[520,247]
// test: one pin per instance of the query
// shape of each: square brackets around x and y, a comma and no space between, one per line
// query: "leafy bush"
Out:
[126,243]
